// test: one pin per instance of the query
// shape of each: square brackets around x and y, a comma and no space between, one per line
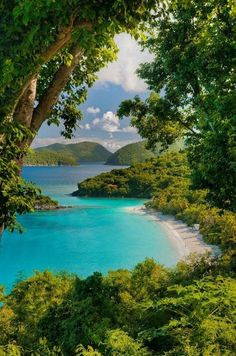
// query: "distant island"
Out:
[137,153]
[130,154]
[72,154]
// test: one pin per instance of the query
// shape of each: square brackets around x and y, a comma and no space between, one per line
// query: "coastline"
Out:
[186,239]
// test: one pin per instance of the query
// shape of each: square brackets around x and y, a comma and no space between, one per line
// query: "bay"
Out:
[96,234]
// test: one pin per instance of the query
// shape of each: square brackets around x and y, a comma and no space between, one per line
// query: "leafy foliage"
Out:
[50,53]
[140,180]
[16,195]
[194,59]
[188,310]
[150,310]
[167,180]
[29,30]
[48,158]
[44,202]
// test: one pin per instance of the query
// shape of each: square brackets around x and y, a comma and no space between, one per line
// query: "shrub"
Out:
[219,227]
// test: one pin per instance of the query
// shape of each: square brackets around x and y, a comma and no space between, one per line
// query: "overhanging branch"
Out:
[51,95]
[62,40]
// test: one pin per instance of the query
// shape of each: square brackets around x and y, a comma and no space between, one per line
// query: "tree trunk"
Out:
[31,116]
[25,107]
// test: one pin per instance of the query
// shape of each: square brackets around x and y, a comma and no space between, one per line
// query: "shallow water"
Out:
[95,235]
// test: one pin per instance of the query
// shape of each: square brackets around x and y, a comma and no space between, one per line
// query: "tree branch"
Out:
[62,40]
[186,126]
[50,97]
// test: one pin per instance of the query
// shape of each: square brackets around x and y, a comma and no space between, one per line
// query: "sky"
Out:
[117,82]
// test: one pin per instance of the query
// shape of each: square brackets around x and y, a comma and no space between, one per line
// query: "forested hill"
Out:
[137,153]
[73,154]
[138,181]
[49,158]
[130,154]
[82,151]
[68,154]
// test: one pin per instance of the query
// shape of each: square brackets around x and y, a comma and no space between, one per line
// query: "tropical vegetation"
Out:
[69,154]
[188,310]
[44,202]
[81,151]
[151,310]
[50,53]
[48,158]
[167,181]
[138,153]
[193,44]
[140,180]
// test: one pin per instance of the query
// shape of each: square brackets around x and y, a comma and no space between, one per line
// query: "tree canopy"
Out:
[192,78]
[50,52]
[49,46]
[151,310]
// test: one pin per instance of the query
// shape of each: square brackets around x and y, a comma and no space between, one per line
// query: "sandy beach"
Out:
[187,240]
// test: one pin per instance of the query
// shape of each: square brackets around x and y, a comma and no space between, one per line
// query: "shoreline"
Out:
[186,239]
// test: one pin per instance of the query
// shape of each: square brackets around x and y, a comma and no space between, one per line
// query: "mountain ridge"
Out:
[67,154]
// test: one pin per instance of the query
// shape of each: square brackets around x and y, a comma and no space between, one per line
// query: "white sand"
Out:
[186,239]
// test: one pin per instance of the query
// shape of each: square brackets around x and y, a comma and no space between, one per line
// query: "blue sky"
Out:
[115,83]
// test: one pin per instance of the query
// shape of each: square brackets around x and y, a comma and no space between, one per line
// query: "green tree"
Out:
[16,195]
[194,70]
[49,54]
[197,319]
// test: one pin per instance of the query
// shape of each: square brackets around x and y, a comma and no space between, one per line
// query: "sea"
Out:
[93,235]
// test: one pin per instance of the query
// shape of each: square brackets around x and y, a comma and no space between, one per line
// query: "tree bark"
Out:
[25,107]
[63,39]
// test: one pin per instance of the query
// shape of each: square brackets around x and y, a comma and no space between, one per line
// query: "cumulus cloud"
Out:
[96,121]
[123,71]
[111,123]
[85,127]
[130,129]
[93,110]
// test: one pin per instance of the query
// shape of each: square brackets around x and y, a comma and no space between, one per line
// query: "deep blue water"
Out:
[94,235]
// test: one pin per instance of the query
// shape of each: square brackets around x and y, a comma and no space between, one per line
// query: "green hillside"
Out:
[130,154]
[72,154]
[138,181]
[49,158]
[82,151]
[137,153]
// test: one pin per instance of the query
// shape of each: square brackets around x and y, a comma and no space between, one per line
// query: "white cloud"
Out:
[122,72]
[85,127]
[96,121]
[93,110]
[129,129]
[109,122]
[112,146]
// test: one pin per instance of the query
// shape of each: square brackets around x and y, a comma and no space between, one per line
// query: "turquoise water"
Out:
[93,235]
